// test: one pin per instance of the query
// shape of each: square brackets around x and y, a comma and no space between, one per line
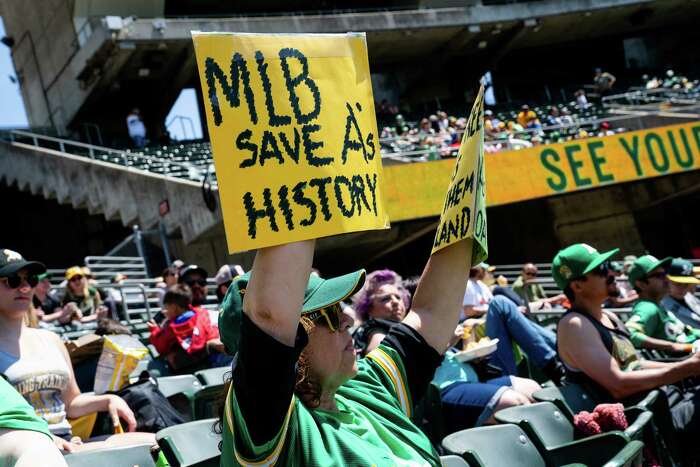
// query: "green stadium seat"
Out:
[506,445]
[453,461]
[129,456]
[213,375]
[205,401]
[191,444]
[572,399]
[179,384]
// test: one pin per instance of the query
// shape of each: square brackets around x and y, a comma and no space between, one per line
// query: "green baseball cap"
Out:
[320,293]
[644,265]
[576,261]
[12,262]
[681,271]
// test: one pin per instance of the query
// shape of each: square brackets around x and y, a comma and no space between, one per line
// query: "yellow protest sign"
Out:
[293,131]
[464,210]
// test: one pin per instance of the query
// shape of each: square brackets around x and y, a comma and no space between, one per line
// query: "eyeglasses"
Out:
[15,281]
[75,278]
[199,282]
[330,314]
[657,275]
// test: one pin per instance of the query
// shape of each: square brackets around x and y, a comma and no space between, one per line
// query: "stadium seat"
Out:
[129,456]
[453,461]
[180,384]
[506,445]
[205,401]
[572,399]
[191,444]
[212,375]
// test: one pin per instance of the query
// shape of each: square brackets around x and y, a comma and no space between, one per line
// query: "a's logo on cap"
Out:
[687,270]
[11,256]
[565,271]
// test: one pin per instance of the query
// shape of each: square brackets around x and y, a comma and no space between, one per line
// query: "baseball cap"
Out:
[191,269]
[319,293]
[11,262]
[576,261]
[73,271]
[227,272]
[644,265]
[681,271]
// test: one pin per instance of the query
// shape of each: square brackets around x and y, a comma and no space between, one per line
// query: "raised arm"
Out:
[275,293]
[438,298]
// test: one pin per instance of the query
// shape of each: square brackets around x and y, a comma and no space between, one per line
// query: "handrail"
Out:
[92,148]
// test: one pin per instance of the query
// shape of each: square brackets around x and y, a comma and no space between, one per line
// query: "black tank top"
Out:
[617,342]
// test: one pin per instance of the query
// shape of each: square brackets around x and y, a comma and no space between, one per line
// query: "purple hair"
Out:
[362,300]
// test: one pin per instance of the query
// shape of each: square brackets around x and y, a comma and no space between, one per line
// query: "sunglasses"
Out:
[601,270]
[331,316]
[75,278]
[15,281]
[199,282]
[530,273]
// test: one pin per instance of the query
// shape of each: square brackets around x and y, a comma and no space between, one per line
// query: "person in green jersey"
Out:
[651,325]
[298,394]
[25,440]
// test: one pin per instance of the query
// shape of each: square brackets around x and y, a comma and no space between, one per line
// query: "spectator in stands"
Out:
[196,279]
[603,82]
[581,99]
[466,401]
[527,287]
[681,299]
[186,338]
[553,118]
[506,321]
[36,363]
[605,129]
[598,354]
[25,440]
[169,278]
[526,117]
[223,279]
[651,325]
[47,307]
[136,128]
[380,303]
[321,405]
[81,301]
[566,118]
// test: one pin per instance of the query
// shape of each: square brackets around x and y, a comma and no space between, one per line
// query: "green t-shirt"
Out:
[652,320]
[16,413]
[372,427]
[530,292]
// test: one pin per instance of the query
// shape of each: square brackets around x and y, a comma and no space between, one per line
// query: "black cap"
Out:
[12,262]
[191,269]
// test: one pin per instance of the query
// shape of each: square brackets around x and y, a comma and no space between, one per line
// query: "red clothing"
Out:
[191,335]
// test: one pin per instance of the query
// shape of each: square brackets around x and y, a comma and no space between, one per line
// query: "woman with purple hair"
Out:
[382,303]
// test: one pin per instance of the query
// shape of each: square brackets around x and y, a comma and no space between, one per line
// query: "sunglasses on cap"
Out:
[199,282]
[15,281]
[329,315]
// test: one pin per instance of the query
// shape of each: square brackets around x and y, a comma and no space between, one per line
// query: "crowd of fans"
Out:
[439,135]
[401,336]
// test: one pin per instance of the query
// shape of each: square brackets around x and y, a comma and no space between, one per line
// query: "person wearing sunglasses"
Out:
[36,363]
[195,278]
[299,396]
[651,325]
[597,351]
[681,299]
[530,291]
[80,301]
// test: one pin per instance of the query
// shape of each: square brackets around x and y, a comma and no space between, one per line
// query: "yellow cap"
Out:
[73,271]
